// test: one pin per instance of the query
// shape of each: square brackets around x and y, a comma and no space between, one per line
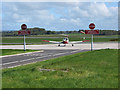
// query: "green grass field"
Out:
[62,35]
[72,37]
[96,69]
[14,51]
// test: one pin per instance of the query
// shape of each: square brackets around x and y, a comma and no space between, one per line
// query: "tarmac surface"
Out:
[18,60]
[49,51]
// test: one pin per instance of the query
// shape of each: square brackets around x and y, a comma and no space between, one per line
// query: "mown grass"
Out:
[39,40]
[96,69]
[63,35]
[14,51]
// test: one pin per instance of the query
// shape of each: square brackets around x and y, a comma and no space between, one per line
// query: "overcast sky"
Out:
[60,15]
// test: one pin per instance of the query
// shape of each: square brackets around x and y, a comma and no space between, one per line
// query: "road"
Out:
[18,60]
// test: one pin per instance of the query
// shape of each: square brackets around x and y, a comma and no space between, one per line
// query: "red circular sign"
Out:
[92,26]
[23,26]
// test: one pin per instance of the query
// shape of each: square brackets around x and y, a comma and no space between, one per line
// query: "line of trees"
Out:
[42,31]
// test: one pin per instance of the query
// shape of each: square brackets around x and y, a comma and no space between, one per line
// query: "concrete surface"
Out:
[112,45]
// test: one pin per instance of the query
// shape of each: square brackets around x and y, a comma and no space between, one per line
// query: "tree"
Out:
[48,32]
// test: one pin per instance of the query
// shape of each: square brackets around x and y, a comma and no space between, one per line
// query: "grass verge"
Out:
[72,37]
[96,69]
[14,51]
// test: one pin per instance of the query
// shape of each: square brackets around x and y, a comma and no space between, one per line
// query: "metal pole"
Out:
[92,42]
[24,43]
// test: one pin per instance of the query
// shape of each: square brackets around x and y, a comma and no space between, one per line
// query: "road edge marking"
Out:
[21,54]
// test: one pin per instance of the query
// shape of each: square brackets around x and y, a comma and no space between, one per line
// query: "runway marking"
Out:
[40,57]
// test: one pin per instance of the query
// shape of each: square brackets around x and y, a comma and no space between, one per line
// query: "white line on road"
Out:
[10,62]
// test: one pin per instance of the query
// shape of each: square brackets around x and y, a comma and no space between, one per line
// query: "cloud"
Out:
[61,1]
[59,16]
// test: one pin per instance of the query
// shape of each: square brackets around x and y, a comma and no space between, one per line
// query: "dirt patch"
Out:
[41,69]
[114,40]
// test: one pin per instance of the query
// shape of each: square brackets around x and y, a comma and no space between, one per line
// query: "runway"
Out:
[13,61]
[96,45]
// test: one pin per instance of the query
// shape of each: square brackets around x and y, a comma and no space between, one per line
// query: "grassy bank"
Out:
[97,69]
[13,51]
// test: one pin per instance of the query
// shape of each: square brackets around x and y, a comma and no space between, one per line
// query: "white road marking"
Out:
[10,62]
[59,54]
[76,51]
[39,57]
[21,65]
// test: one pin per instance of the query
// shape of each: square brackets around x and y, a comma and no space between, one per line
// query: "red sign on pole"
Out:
[24,32]
[91,31]
[92,26]
[23,26]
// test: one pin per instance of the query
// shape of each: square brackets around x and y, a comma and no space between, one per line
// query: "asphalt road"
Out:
[18,60]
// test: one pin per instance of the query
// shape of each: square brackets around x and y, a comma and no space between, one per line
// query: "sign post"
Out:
[91,32]
[23,27]
[92,42]
[24,32]
[92,26]
[24,44]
